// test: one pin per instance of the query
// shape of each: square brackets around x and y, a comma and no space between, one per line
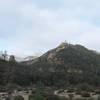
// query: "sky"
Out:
[29,27]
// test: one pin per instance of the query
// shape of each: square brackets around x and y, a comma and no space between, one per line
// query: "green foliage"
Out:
[38,97]
[18,97]
[97,92]
[52,97]
[39,92]
[84,87]
[99,97]
[71,96]
[31,97]
[85,94]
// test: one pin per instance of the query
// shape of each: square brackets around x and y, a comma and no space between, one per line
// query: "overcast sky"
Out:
[33,26]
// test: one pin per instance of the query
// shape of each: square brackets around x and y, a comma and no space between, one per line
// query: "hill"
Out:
[64,65]
[67,64]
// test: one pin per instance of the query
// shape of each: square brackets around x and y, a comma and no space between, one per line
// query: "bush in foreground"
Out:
[18,97]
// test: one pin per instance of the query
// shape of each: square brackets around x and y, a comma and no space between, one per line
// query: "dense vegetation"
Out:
[63,66]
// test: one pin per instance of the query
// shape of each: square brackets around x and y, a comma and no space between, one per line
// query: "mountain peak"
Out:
[64,45]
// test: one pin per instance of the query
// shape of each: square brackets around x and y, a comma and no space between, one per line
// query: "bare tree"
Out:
[4,55]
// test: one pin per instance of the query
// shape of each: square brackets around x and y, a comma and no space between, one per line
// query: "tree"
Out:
[71,96]
[12,58]
[39,92]
[4,55]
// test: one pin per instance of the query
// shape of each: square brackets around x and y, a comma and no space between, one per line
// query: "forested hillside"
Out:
[64,65]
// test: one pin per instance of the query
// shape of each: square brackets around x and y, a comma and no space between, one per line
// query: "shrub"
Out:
[31,97]
[85,94]
[52,97]
[6,98]
[78,92]
[18,97]
[70,90]
[97,91]
[70,96]
[99,97]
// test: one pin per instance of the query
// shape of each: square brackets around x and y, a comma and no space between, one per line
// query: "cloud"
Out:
[34,26]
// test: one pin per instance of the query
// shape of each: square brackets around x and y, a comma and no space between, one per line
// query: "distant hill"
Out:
[66,64]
